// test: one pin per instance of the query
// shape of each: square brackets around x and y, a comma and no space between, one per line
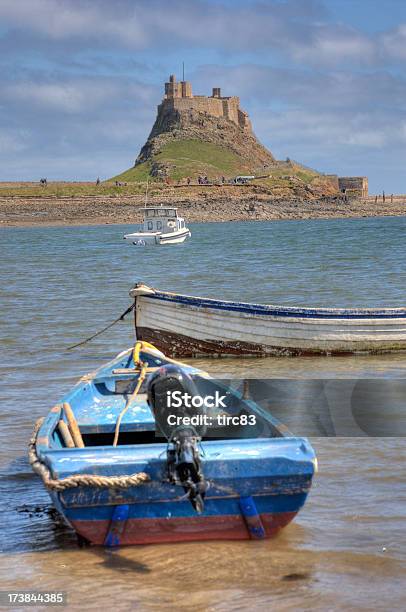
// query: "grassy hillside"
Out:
[64,189]
[182,159]
[190,158]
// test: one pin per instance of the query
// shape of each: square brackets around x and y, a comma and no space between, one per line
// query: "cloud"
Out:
[333,89]
[332,45]
[62,19]
[65,97]
[73,127]
[303,31]
[76,95]
[13,141]
[328,130]
[394,43]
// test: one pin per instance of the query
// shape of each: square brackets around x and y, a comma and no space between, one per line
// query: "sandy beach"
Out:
[197,205]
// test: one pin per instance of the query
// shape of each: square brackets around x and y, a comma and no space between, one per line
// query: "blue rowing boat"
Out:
[119,473]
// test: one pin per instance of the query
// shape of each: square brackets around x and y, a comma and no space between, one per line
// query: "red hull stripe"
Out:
[155,531]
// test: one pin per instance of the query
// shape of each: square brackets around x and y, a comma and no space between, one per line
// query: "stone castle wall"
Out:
[179,96]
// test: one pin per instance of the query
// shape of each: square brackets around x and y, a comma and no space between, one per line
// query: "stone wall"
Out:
[353,185]
[201,104]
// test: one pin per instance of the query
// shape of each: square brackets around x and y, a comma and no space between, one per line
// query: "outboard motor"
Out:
[183,457]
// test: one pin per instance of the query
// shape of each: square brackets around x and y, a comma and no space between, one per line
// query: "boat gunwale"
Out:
[275,310]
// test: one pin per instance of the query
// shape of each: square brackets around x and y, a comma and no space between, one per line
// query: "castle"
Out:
[219,120]
[179,96]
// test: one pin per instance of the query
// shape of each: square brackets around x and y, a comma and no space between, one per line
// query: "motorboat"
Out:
[162,225]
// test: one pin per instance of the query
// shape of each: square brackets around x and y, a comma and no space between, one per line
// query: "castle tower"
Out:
[171,88]
[177,90]
[186,89]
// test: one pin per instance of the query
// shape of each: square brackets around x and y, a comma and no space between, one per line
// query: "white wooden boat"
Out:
[183,325]
[162,225]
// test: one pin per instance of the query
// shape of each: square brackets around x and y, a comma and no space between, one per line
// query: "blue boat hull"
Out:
[146,522]
[179,529]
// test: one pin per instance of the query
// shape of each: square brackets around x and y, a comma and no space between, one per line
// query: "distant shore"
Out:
[197,205]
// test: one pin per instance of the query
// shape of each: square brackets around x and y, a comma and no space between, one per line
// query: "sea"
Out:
[346,550]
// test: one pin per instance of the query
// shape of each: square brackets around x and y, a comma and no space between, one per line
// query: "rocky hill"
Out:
[188,143]
[196,130]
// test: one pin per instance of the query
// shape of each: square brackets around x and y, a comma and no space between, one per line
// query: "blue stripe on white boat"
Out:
[278,311]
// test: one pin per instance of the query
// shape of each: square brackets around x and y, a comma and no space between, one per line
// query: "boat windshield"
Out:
[160,212]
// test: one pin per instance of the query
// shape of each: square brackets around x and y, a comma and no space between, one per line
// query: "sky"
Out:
[324,81]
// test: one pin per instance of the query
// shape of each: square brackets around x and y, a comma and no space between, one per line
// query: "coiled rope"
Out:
[79,480]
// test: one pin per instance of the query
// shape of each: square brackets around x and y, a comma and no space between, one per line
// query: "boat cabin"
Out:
[163,219]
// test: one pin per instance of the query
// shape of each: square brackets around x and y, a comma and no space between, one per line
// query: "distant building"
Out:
[353,185]
[179,96]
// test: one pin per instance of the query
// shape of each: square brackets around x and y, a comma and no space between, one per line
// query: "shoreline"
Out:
[103,221]
[201,207]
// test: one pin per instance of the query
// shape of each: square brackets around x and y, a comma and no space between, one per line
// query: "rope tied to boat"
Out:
[120,318]
[78,480]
